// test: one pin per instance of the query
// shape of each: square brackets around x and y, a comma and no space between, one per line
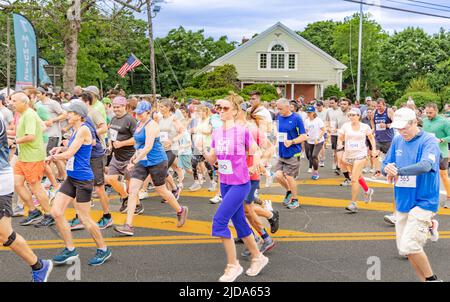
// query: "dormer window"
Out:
[277,58]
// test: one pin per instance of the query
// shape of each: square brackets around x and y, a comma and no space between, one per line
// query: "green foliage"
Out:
[268,92]
[418,85]
[445,95]
[332,90]
[321,34]
[420,99]
[221,76]
[389,91]
[439,78]
[203,94]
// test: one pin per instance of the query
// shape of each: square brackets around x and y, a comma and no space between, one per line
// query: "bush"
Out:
[203,94]
[420,99]
[389,91]
[419,84]
[445,95]
[332,90]
[268,92]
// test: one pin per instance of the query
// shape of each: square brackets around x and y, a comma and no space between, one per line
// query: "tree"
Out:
[321,34]
[439,78]
[332,90]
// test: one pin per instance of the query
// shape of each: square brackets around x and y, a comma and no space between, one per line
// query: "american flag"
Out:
[130,64]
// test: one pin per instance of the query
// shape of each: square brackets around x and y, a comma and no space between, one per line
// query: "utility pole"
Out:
[152,50]
[8,53]
[358,85]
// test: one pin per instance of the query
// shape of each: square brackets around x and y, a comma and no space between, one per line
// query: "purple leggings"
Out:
[232,207]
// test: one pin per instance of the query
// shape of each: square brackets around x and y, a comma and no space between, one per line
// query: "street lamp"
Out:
[151,7]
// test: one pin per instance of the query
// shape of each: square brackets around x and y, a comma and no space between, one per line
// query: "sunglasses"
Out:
[351,114]
[224,109]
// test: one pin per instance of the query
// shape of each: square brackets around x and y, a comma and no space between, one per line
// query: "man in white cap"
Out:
[412,163]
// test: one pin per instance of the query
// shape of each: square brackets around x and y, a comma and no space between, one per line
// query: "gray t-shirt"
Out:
[54,109]
[337,119]
[122,129]
[7,115]
[98,119]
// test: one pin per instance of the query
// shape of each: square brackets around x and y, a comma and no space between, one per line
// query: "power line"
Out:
[422,6]
[399,9]
[432,4]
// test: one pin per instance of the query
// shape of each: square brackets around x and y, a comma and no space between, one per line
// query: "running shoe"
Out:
[33,216]
[124,206]
[269,180]
[337,172]
[346,183]
[368,195]
[274,222]
[65,256]
[125,229]
[287,199]
[42,274]
[293,204]
[92,204]
[447,204]
[310,170]
[390,219]
[365,170]
[315,177]
[321,164]
[75,224]
[267,245]
[216,199]
[150,188]
[434,230]
[195,186]
[19,211]
[372,171]
[105,223]
[378,176]
[256,195]
[303,156]
[257,265]
[139,209]
[232,271]
[352,208]
[259,243]
[182,216]
[100,257]
[177,193]
[213,186]
[45,222]
[267,204]
[143,194]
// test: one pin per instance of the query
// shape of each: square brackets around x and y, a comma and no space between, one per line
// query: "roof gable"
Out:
[291,33]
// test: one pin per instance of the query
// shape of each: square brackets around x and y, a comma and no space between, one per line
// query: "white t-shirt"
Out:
[322,114]
[336,118]
[264,112]
[313,129]
[355,141]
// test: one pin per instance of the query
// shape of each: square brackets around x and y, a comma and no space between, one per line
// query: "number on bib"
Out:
[225,167]
[164,136]
[113,134]
[282,136]
[379,128]
[406,181]
[70,163]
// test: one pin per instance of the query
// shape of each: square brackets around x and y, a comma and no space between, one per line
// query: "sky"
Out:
[243,18]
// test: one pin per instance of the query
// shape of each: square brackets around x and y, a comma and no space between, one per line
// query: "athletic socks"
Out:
[346,175]
[37,266]
[432,278]
[180,212]
[363,184]
[263,234]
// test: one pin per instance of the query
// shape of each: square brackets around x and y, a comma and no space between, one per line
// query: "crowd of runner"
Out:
[60,150]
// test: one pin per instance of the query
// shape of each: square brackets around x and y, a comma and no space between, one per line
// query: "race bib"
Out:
[69,164]
[333,124]
[164,136]
[352,145]
[225,167]
[113,134]
[406,182]
[379,128]
[282,136]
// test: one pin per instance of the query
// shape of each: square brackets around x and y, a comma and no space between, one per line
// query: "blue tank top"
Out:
[383,135]
[156,155]
[79,166]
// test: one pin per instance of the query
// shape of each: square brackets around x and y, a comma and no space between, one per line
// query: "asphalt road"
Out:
[316,242]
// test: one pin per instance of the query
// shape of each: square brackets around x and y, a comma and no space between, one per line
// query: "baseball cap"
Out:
[106,101]
[77,106]
[319,103]
[119,100]
[310,109]
[142,107]
[92,89]
[368,98]
[355,111]
[402,116]
[42,90]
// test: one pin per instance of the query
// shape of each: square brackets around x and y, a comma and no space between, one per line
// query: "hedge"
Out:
[420,99]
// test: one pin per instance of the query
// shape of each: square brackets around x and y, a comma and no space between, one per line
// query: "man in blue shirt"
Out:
[291,134]
[412,163]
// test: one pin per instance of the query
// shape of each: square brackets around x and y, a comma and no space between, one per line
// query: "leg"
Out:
[281,178]
[133,197]
[83,209]
[104,200]
[421,265]
[59,208]
[113,181]
[41,195]
[169,197]
[19,246]
[446,181]
[21,189]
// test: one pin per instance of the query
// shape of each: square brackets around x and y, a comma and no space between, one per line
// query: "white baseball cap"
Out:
[402,116]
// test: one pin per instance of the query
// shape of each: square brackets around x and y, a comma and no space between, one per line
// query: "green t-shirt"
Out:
[440,128]
[30,123]
[43,113]
[100,108]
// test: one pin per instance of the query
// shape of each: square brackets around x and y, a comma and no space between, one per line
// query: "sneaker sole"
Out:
[237,275]
[266,261]
[104,260]
[350,211]
[32,221]
[124,233]
[269,248]
[108,225]
[50,269]
[43,226]
[388,221]
[138,213]
[77,227]
[185,218]
[67,260]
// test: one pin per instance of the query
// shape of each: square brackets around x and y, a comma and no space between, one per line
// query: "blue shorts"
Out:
[254,185]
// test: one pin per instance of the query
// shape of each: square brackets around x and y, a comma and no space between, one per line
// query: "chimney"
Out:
[244,39]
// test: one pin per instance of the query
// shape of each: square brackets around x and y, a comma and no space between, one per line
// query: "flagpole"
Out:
[8,66]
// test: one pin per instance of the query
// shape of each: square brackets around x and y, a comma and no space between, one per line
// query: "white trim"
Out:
[275,42]
[269,61]
[292,91]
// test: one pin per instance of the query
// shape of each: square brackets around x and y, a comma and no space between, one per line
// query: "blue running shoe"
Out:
[105,223]
[65,256]
[294,204]
[100,257]
[42,274]
[75,224]
[315,177]
[287,199]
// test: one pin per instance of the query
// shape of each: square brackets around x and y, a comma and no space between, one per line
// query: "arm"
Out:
[210,156]
[83,135]
[421,167]
[151,132]
[179,127]
[25,139]
[102,129]
[125,143]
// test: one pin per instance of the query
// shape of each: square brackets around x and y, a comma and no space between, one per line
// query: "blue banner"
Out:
[26,52]
[43,76]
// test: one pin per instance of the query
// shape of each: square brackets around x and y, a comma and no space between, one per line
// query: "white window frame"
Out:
[269,61]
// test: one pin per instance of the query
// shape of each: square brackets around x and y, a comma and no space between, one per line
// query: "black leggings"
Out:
[196,159]
[312,153]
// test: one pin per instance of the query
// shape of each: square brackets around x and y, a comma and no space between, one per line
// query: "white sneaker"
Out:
[321,164]
[256,193]
[216,199]
[232,271]
[434,230]
[143,194]
[309,170]
[352,208]
[269,180]
[257,265]
[195,186]
[267,204]
[390,219]
[447,204]
[303,156]
[334,167]
[372,171]
[365,170]
[47,184]
[368,195]
[212,187]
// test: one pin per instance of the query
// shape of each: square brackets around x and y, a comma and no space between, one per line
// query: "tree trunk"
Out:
[70,55]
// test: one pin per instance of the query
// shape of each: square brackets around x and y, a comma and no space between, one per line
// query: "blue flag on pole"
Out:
[43,76]
[26,52]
